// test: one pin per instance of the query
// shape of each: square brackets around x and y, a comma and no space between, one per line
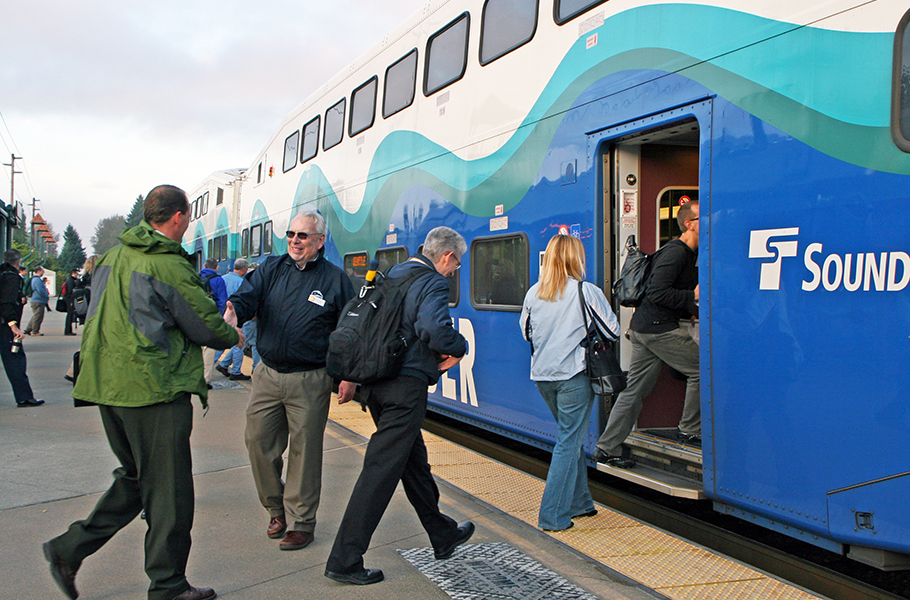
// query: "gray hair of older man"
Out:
[317,218]
[241,264]
[442,240]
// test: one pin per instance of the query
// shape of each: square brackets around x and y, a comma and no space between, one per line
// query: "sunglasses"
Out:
[301,235]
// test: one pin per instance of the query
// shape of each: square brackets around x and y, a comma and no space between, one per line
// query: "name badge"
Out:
[316,298]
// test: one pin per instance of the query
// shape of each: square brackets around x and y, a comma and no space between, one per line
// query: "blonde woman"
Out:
[551,319]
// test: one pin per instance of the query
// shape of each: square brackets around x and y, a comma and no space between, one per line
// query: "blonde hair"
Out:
[564,258]
[89,265]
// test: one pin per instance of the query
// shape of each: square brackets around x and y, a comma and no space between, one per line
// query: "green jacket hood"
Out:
[144,238]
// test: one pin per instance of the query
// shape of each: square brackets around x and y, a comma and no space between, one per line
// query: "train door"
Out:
[647,176]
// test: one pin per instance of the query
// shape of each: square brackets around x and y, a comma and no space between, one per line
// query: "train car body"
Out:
[514,120]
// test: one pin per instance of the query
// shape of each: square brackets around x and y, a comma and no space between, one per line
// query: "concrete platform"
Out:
[55,462]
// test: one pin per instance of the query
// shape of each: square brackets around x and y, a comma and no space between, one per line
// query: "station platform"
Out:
[55,463]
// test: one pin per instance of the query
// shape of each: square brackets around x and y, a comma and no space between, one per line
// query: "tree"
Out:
[136,213]
[107,233]
[73,254]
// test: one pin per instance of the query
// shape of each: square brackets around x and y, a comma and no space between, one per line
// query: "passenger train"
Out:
[514,120]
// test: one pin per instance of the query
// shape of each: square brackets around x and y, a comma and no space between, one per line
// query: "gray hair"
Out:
[211,263]
[12,257]
[441,240]
[241,264]
[317,218]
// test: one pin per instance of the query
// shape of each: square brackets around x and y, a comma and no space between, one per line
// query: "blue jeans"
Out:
[566,494]
[235,357]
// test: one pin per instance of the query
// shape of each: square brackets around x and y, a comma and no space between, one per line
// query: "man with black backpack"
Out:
[396,451]
[213,284]
[671,294]
[296,299]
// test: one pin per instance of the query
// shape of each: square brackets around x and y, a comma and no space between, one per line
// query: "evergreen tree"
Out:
[107,233]
[136,213]
[73,254]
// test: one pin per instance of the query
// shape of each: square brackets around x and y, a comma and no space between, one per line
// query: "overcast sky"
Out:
[106,99]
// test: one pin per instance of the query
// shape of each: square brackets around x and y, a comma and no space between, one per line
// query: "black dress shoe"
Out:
[689,439]
[32,402]
[240,377]
[222,370]
[63,574]
[361,577]
[69,378]
[590,513]
[600,456]
[195,593]
[462,534]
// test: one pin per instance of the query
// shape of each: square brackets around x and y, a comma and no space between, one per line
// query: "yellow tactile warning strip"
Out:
[673,567]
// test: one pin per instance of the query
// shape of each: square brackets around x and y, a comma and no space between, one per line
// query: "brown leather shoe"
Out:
[196,594]
[64,575]
[276,527]
[295,540]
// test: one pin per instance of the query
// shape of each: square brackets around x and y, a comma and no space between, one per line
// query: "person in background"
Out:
[552,320]
[38,302]
[11,351]
[84,286]
[214,285]
[140,362]
[69,287]
[234,356]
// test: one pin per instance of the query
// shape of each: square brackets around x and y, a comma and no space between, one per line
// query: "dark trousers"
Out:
[152,444]
[70,318]
[396,452]
[15,364]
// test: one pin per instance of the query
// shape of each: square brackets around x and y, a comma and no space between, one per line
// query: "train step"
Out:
[662,464]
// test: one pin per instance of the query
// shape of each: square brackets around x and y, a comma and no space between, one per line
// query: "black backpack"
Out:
[629,289]
[367,346]
[207,285]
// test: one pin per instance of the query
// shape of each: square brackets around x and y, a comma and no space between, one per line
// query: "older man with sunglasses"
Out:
[297,298]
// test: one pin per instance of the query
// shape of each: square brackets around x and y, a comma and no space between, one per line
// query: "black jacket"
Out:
[297,309]
[10,294]
[669,295]
[425,321]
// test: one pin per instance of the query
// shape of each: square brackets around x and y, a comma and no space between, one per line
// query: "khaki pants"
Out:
[288,409]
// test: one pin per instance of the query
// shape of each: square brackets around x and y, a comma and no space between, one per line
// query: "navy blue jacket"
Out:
[297,309]
[425,321]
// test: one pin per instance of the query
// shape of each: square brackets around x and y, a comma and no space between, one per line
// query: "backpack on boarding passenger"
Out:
[629,289]
[366,346]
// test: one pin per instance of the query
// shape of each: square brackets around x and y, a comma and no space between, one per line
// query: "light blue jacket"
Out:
[557,329]
[39,291]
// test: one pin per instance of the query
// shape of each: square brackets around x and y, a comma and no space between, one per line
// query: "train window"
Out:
[900,101]
[211,252]
[565,10]
[363,107]
[197,207]
[454,282]
[259,173]
[668,202]
[256,240]
[389,257]
[205,203]
[356,265]
[400,83]
[507,24]
[334,125]
[219,197]
[447,55]
[499,272]
[290,151]
[310,140]
[267,235]
[245,243]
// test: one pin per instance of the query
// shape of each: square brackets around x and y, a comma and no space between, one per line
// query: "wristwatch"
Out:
[12,324]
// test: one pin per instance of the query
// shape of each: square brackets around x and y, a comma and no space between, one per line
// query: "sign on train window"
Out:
[499,272]
[310,140]
[255,240]
[290,151]
[447,56]
[334,125]
[267,235]
[507,24]
[568,9]
[363,107]
[668,202]
[454,282]
[356,265]
[245,243]
[400,83]
[900,97]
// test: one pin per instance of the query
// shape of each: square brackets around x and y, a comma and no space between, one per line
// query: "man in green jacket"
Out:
[140,361]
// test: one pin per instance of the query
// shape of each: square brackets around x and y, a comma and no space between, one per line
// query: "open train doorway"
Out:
[647,175]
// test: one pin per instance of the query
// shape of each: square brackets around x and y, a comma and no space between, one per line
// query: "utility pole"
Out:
[12,177]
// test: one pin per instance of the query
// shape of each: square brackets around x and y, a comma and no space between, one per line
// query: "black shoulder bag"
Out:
[603,369]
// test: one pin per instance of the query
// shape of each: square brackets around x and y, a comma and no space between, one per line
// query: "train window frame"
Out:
[290,154]
[483,33]
[429,60]
[900,89]
[565,19]
[360,281]
[267,235]
[477,269]
[245,243]
[259,173]
[197,207]
[305,157]
[205,203]
[355,103]
[211,248]
[219,197]
[394,84]
[256,240]
[325,130]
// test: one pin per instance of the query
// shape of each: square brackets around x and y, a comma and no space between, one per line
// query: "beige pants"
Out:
[288,409]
